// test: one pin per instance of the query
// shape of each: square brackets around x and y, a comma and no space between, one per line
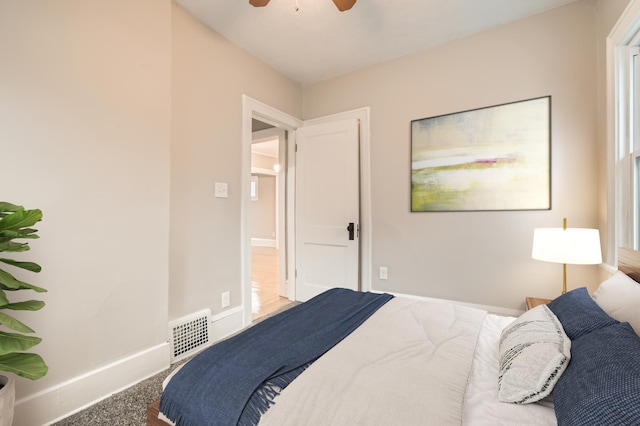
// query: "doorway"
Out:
[268,226]
[253,109]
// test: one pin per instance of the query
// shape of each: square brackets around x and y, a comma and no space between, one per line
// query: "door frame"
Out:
[253,108]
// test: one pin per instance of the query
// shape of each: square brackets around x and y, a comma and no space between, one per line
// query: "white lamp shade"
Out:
[579,246]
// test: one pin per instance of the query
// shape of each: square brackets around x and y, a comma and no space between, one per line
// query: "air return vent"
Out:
[189,334]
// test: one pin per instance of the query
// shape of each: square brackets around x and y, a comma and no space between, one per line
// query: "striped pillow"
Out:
[534,352]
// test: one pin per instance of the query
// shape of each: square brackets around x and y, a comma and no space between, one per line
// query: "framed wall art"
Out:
[492,158]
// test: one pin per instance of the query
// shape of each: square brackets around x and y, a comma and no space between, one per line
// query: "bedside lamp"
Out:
[576,246]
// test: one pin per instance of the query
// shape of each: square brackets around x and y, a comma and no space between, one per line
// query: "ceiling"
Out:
[318,42]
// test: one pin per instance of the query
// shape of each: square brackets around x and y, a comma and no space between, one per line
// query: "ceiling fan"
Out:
[342,5]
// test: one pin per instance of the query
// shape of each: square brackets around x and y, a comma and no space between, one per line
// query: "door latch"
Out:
[351,228]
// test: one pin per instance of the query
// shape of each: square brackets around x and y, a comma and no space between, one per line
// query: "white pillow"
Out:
[534,352]
[619,297]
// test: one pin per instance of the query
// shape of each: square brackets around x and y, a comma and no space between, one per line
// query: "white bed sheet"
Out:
[482,407]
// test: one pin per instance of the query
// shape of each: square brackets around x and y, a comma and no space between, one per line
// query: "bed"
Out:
[405,361]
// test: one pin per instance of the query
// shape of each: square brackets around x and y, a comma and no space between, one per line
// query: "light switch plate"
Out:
[222,190]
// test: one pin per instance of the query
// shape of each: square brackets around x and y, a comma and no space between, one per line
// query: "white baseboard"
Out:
[263,242]
[60,401]
[226,323]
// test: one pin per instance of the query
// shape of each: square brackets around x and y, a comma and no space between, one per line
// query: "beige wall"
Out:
[263,210]
[263,161]
[209,77]
[100,104]
[482,257]
[122,116]
[84,131]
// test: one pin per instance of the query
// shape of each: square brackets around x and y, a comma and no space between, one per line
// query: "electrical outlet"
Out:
[225,299]
[384,273]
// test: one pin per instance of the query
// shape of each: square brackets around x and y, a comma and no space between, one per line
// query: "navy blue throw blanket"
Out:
[252,367]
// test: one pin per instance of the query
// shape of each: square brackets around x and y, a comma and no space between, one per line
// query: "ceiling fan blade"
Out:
[343,5]
[259,3]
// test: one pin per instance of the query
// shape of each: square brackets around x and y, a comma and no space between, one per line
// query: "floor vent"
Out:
[189,334]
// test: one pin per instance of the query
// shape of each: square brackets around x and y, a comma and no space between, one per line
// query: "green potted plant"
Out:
[15,227]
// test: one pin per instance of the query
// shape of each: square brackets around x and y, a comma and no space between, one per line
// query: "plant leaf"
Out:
[30,266]
[29,233]
[11,234]
[3,299]
[9,282]
[8,207]
[14,324]
[14,342]
[28,305]
[20,219]
[27,286]
[15,247]
[31,366]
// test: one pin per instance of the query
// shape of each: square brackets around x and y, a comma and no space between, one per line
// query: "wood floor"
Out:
[265,297]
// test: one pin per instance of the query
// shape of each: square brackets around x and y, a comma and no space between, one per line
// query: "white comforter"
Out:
[406,365]
[411,363]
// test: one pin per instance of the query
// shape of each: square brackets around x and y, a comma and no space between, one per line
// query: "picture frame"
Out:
[485,159]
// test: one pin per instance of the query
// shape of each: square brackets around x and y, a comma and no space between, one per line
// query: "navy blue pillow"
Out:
[601,385]
[579,313]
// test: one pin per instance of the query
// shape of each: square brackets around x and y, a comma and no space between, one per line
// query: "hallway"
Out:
[265,297]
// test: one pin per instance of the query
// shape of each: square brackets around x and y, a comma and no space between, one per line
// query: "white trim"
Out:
[61,401]
[291,214]
[252,108]
[263,242]
[53,404]
[226,323]
[281,215]
[608,268]
[261,171]
[619,208]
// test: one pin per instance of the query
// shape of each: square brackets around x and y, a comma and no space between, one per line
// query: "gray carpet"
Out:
[126,408]
[129,407]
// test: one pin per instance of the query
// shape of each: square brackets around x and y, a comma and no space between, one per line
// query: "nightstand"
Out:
[532,302]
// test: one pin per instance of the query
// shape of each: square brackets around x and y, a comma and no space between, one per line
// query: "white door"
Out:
[327,207]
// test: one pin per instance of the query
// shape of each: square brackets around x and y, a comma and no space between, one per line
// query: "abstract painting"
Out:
[492,158]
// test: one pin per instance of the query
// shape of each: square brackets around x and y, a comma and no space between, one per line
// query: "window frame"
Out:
[623,133]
